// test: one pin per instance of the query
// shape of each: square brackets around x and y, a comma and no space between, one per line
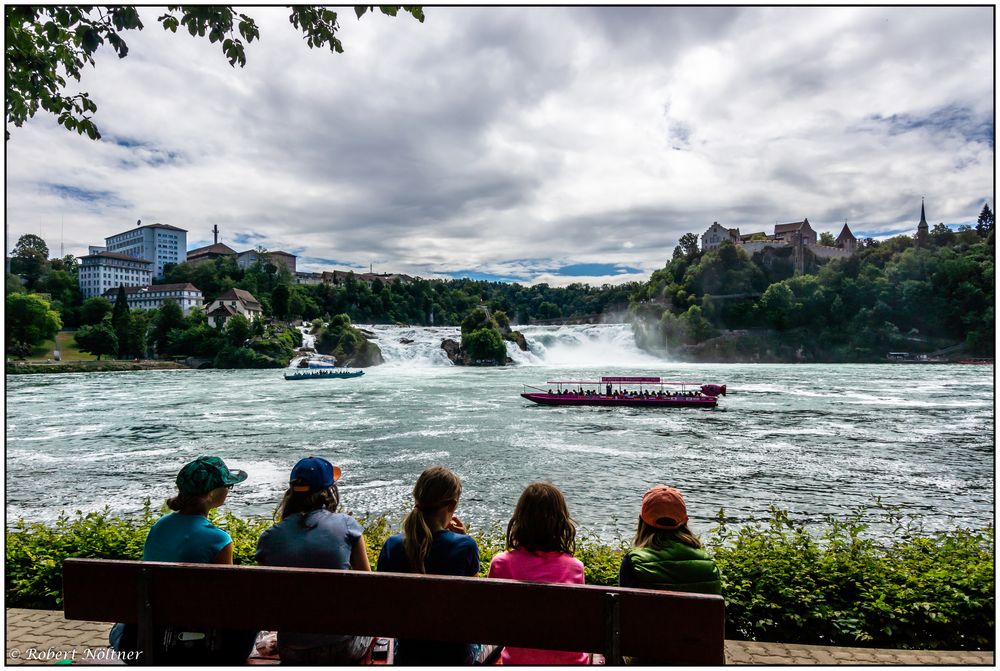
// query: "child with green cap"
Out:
[186,535]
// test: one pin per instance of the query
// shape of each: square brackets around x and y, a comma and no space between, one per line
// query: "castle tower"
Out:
[846,240]
[922,226]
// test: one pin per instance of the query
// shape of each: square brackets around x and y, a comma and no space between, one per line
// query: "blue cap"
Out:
[313,474]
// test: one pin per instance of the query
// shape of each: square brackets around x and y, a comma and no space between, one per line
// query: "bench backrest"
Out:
[685,628]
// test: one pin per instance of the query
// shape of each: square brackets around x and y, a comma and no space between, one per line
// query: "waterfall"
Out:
[585,345]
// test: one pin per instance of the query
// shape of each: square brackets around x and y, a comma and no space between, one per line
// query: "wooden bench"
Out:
[680,627]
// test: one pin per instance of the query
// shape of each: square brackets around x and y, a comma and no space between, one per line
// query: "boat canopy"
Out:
[622,380]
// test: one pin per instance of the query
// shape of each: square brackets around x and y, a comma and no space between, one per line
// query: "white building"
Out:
[159,243]
[233,302]
[109,270]
[151,297]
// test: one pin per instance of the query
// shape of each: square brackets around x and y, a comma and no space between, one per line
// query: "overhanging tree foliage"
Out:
[47,44]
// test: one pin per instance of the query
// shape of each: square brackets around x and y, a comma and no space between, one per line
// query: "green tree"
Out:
[237,330]
[99,339]
[826,238]
[941,235]
[120,322]
[138,334]
[699,329]
[688,244]
[985,222]
[279,301]
[549,310]
[485,344]
[30,321]
[45,44]
[94,309]
[169,317]
[778,303]
[30,259]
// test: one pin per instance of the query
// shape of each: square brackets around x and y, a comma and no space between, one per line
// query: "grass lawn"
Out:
[67,349]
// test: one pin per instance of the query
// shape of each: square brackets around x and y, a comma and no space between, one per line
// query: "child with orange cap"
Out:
[665,554]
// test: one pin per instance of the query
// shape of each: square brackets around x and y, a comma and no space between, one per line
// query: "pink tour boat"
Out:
[636,392]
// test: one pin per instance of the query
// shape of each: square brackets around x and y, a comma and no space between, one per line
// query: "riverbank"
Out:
[24,367]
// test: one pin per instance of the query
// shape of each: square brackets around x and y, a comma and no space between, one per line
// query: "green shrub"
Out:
[781,582]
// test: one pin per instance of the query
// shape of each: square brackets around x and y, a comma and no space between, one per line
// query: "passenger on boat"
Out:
[433,541]
[665,554]
[310,533]
[541,539]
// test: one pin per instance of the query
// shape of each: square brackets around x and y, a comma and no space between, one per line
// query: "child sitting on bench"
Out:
[540,543]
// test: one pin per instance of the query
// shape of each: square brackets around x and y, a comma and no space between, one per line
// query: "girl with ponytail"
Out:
[433,541]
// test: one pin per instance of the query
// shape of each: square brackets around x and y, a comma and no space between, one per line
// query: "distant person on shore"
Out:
[310,533]
[433,541]
[186,535]
[541,538]
[665,554]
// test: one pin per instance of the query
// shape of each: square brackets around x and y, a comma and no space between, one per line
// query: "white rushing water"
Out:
[586,346]
[817,439]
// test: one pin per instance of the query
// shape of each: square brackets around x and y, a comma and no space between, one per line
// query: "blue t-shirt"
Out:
[184,538]
[450,554]
[325,540]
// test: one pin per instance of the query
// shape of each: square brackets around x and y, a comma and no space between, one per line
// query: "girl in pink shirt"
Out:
[541,539]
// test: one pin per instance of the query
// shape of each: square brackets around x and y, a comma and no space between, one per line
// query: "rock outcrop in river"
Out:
[347,344]
[483,337]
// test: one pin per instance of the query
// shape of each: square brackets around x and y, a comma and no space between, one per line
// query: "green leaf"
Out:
[360,10]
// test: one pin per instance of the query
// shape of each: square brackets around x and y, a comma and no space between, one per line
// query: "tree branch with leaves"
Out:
[45,45]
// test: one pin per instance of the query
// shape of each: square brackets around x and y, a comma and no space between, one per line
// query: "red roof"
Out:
[217,248]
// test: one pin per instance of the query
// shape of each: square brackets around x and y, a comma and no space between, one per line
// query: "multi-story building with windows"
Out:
[159,243]
[108,270]
[187,296]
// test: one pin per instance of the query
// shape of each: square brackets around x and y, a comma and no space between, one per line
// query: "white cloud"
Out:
[486,136]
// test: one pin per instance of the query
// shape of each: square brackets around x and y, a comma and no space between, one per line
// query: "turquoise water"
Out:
[815,439]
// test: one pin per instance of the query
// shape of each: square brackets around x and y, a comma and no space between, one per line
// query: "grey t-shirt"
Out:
[325,540]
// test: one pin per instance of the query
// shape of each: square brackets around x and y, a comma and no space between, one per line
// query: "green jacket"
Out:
[671,565]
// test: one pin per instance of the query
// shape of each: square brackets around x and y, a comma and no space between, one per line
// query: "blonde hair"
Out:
[541,521]
[647,535]
[436,487]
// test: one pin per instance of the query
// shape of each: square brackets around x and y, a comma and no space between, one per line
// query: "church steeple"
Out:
[922,226]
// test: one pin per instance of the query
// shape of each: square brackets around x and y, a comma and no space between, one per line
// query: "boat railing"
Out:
[528,386]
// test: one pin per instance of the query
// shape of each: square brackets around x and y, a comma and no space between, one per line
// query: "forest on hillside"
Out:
[900,294]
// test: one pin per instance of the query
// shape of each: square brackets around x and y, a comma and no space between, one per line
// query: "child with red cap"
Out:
[665,554]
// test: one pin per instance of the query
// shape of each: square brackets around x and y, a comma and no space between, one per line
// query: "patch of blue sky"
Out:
[951,118]
[89,196]
[320,261]
[594,269]
[143,153]
[248,238]
[480,276]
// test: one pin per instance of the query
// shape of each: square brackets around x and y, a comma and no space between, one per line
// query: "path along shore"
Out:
[45,637]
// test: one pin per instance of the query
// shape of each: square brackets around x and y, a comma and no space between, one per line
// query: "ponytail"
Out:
[436,487]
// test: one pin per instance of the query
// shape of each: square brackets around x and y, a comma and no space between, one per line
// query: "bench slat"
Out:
[686,627]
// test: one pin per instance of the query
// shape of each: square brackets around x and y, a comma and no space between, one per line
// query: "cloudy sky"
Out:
[540,144]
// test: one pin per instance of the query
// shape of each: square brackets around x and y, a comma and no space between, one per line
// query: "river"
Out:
[815,439]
